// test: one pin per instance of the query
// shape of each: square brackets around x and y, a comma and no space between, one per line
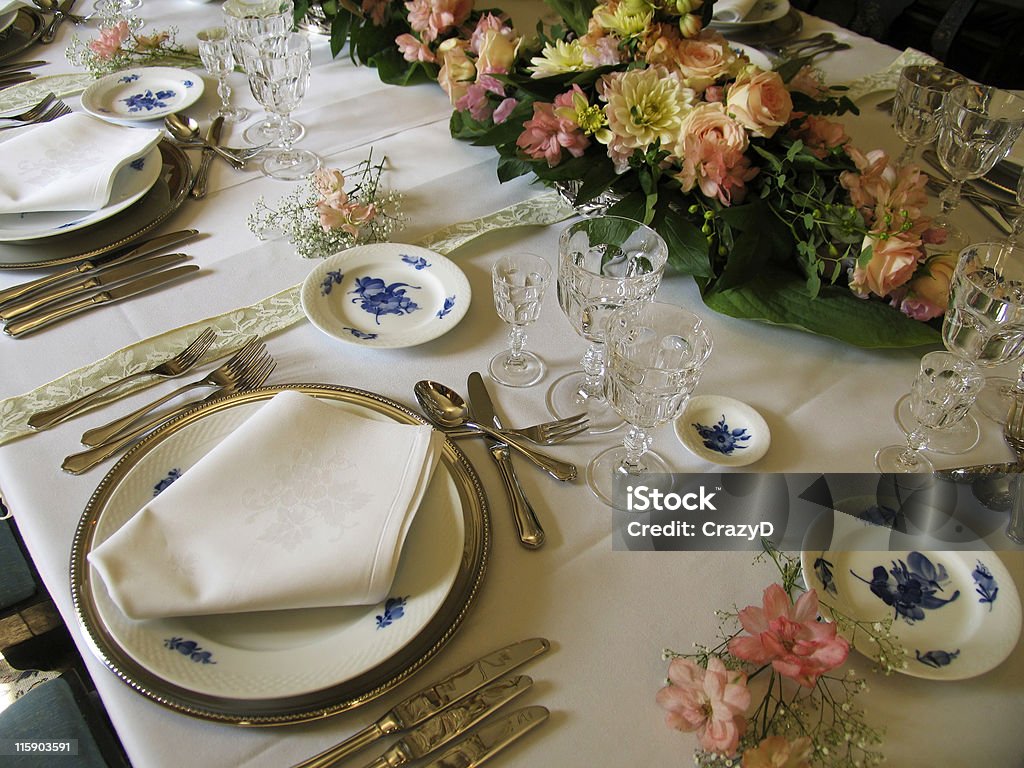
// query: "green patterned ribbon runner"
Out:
[272,314]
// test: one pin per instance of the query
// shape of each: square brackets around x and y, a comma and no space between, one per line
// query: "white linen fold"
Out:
[732,11]
[6,6]
[68,164]
[304,505]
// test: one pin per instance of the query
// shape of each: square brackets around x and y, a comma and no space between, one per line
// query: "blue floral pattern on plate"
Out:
[823,570]
[416,262]
[721,438]
[331,279]
[910,587]
[148,101]
[129,78]
[160,487]
[394,609]
[449,305]
[379,298]
[360,334]
[985,584]
[936,659]
[189,648]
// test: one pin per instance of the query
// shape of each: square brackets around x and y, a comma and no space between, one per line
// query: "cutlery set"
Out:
[49,108]
[12,74]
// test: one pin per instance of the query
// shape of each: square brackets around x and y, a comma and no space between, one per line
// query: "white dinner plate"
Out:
[6,20]
[386,295]
[756,57]
[957,614]
[131,182]
[763,12]
[723,430]
[283,666]
[144,93]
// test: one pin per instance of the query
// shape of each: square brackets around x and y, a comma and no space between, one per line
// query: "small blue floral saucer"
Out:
[144,93]
[385,295]
[723,431]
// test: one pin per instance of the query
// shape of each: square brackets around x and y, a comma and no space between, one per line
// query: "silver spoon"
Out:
[184,128]
[52,6]
[447,409]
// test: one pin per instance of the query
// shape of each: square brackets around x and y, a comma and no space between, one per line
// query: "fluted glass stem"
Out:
[636,443]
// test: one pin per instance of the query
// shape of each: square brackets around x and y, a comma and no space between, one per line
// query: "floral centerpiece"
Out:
[759,194]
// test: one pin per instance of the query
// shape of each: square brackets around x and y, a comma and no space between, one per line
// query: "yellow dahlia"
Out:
[558,58]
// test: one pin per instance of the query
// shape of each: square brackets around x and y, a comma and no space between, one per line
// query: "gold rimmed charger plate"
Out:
[162,200]
[25,30]
[282,667]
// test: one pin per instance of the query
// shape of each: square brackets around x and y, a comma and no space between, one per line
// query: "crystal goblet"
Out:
[604,262]
[215,51]
[918,104]
[943,390]
[519,281]
[656,353]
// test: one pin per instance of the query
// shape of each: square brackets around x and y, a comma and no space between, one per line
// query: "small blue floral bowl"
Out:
[723,431]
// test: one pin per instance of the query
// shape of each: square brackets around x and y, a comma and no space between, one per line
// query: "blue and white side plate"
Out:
[386,295]
[956,614]
[144,93]
[723,430]
[131,182]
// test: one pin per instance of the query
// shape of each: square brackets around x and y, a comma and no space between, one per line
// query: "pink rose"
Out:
[413,49]
[760,102]
[927,294]
[790,637]
[894,260]
[777,752]
[712,150]
[710,702]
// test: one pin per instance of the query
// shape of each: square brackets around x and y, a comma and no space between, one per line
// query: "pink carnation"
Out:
[790,637]
[503,110]
[711,702]
[413,49]
[431,18]
[546,134]
[110,39]
[820,135]
[475,100]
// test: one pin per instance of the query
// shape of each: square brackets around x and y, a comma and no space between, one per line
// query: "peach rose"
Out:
[760,102]
[711,150]
[927,293]
[893,262]
[457,71]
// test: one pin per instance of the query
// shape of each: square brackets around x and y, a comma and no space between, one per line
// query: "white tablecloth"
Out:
[608,614]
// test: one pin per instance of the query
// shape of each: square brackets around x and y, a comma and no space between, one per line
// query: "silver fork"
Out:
[57,110]
[222,376]
[178,365]
[546,433]
[257,373]
[32,113]
[1013,434]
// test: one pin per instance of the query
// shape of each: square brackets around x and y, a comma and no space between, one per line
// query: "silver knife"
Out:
[490,738]
[202,175]
[20,66]
[58,18]
[436,731]
[432,699]
[26,325]
[59,293]
[144,248]
[531,535]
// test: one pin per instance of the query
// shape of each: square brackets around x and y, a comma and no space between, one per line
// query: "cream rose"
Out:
[928,293]
[893,262]
[497,51]
[703,61]
[457,71]
[760,102]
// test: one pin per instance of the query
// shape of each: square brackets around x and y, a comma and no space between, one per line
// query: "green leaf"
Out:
[512,167]
[575,13]
[781,299]
[596,180]
[393,69]
[463,126]
[339,31]
[687,246]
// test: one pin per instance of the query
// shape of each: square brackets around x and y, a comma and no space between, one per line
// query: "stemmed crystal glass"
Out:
[113,11]
[215,51]
[943,390]
[979,125]
[279,76]
[918,104]
[604,262]
[656,353]
[519,281]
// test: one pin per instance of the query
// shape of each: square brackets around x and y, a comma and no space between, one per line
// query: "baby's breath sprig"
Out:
[359,210]
[118,48]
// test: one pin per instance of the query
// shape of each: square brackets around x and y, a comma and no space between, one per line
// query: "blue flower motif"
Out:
[189,648]
[415,262]
[985,584]
[879,515]
[148,101]
[379,299]
[187,83]
[394,608]
[449,304]
[129,78]
[160,487]
[720,438]
[138,164]
[913,586]
[937,659]
[360,334]
[823,569]
[331,279]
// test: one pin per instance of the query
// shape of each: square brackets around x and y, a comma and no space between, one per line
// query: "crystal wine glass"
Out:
[918,104]
[111,12]
[519,282]
[944,389]
[215,51]
[604,262]
[279,77]
[979,124]
[656,353]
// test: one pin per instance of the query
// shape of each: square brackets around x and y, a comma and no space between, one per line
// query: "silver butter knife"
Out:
[490,738]
[531,534]
[34,322]
[436,731]
[433,699]
[143,248]
[69,290]
[199,183]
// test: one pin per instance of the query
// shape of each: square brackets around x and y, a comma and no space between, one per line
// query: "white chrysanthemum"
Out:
[557,59]
[625,19]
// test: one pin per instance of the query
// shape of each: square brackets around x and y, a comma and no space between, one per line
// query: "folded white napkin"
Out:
[732,11]
[6,6]
[305,505]
[68,164]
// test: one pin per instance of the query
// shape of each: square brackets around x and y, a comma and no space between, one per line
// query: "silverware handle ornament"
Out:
[348,747]
[26,325]
[59,17]
[53,416]
[202,174]
[560,470]
[531,535]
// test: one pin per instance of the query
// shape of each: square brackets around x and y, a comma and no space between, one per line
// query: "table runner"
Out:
[270,315]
